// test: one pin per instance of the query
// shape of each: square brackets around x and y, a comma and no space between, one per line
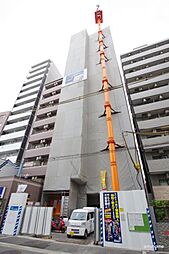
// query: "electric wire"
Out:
[150,133]
[81,97]
[77,98]
[137,175]
[134,162]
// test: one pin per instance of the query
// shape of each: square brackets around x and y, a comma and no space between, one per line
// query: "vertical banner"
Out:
[103,179]
[112,217]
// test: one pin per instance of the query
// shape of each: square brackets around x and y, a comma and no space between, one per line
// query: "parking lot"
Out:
[62,237]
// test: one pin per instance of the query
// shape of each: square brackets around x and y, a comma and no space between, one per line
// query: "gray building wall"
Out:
[80,135]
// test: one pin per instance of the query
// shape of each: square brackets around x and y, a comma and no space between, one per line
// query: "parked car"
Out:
[81,222]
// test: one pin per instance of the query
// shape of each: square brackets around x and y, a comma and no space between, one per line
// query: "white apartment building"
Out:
[146,73]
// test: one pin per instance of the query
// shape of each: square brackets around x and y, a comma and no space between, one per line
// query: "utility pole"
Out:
[107,105]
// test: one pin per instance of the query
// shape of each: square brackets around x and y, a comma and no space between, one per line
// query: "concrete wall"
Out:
[79,134]
[53,74]
[69,131]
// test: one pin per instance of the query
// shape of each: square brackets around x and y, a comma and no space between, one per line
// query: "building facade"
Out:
[38,146]
[3,119]
[146,73]
[27,133]
[79,145]
[13,139]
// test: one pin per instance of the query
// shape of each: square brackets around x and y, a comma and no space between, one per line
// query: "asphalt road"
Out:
[32,245]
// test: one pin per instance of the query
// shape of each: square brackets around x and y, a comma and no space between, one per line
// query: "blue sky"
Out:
[35,30]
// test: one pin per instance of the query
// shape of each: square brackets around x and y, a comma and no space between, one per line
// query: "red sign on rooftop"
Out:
[98,17]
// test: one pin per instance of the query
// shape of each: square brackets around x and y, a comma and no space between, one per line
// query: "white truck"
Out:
[81,222]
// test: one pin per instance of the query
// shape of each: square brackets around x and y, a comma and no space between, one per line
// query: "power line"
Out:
[148,133]
[89,95]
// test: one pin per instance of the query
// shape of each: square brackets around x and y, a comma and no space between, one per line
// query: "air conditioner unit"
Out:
[49,114]
[38,158]
[42,141]
[51,102]
[154,131]
[46,126]
[161,151]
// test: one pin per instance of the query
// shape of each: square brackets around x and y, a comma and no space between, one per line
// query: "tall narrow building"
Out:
[16,131]
[146,73]
[79,145]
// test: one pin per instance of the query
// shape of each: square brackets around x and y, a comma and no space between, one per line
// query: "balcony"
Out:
[36,75]
[22,108]
[14,147]
[16,126]
[42,64]
[156,106]
[40,136]
[153,123]
[38,69]
[31,86]
[34,171]
[159,79]
[156,142]
[37,152]
[150,93]
[147,52]
[14,135]
[27,99]
[18,117]
[48,92]
[44,111]
[28,92]
[36,79]
[47,120]
[149,61]
[159,166]
[49,99]
[154,69]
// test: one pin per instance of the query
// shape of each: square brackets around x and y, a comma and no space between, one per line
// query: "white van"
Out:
[81,222]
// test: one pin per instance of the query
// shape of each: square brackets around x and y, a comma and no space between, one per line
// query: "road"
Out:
[32,245]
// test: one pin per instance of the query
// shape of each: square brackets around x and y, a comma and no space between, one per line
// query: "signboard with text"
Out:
[74,78]
[112,217]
